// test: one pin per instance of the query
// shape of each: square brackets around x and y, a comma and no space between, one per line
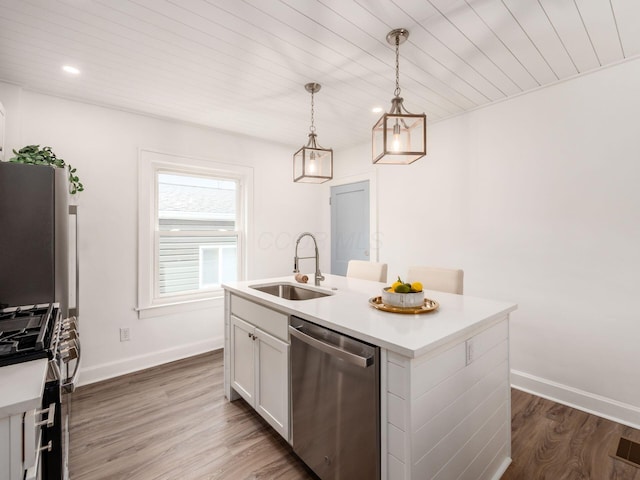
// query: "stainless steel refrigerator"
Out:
[34,235]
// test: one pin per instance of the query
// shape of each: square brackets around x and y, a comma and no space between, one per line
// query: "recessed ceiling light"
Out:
[376,109]
[71,70]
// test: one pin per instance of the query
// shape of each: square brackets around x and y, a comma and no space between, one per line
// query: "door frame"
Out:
[374,234]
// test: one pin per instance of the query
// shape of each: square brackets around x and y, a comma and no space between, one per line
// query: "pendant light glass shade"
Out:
[399,137]
[312,163]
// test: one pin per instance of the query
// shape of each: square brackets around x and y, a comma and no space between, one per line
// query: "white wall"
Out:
[103,145]
[538,200]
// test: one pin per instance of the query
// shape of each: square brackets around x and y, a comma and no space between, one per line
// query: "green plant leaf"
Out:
[34,155]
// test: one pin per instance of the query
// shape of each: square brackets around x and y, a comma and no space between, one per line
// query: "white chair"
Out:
[447,280]
[366,270]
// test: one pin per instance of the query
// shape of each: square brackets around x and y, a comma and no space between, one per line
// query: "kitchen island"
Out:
[444,375]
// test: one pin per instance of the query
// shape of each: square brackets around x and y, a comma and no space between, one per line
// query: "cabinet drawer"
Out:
[264,318]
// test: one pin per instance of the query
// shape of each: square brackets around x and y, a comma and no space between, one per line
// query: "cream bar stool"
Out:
[441,279]
[366,270]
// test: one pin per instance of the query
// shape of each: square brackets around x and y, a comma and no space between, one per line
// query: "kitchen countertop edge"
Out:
[355,293]
[27,380]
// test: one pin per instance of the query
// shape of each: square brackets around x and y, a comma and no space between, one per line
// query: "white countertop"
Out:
[22,386]
[348,311]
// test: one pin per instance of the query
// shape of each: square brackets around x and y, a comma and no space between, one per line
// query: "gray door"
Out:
[349,225]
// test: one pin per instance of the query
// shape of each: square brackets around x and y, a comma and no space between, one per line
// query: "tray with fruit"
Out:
[403,297]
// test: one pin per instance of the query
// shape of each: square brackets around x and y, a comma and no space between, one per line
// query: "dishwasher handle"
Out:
[352,358]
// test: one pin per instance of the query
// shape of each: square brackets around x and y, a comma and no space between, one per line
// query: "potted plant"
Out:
[33,155]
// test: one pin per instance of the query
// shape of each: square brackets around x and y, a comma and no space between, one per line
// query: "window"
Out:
[196,218]
[192,228]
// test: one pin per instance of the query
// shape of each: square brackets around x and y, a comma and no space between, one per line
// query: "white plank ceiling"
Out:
[241,65]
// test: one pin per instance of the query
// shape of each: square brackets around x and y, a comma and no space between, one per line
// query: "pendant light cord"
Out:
[312,128]
[396,92]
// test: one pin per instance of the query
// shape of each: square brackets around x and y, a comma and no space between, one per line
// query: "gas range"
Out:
[28,333]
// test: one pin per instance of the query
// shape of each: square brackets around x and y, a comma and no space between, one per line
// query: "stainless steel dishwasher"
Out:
[335,400]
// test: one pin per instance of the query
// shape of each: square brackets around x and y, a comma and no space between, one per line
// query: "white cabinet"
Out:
[21,419]
[259,370]
[20,450]
[272,386]
[243,361]
[11,465]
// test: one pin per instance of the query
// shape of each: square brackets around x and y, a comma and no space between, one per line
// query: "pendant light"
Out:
[399,137]
[312,163]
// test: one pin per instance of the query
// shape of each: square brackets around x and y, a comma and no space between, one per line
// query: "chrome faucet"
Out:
[318,276]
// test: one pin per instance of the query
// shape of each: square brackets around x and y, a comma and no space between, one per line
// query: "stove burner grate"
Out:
[25,333]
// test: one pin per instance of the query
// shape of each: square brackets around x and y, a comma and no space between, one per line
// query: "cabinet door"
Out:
[242,359]
[272,381]
[11,448]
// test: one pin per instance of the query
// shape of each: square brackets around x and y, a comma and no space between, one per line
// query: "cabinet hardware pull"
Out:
[50,418]
[46,447]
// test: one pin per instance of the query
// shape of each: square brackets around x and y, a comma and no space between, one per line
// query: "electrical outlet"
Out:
[470,351]
[125,335]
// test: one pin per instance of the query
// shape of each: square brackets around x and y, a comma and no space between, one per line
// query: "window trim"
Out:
[150,163]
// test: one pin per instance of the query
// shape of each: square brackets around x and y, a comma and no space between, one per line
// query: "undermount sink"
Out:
[290,292]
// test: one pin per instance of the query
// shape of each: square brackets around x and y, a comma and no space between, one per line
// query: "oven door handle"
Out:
[69,384]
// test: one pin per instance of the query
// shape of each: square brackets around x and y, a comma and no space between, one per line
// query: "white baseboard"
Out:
[588,402]
[503,468]
[133,364]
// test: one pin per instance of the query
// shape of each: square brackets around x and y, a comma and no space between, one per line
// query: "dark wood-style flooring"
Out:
[173,422]
[550,441]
